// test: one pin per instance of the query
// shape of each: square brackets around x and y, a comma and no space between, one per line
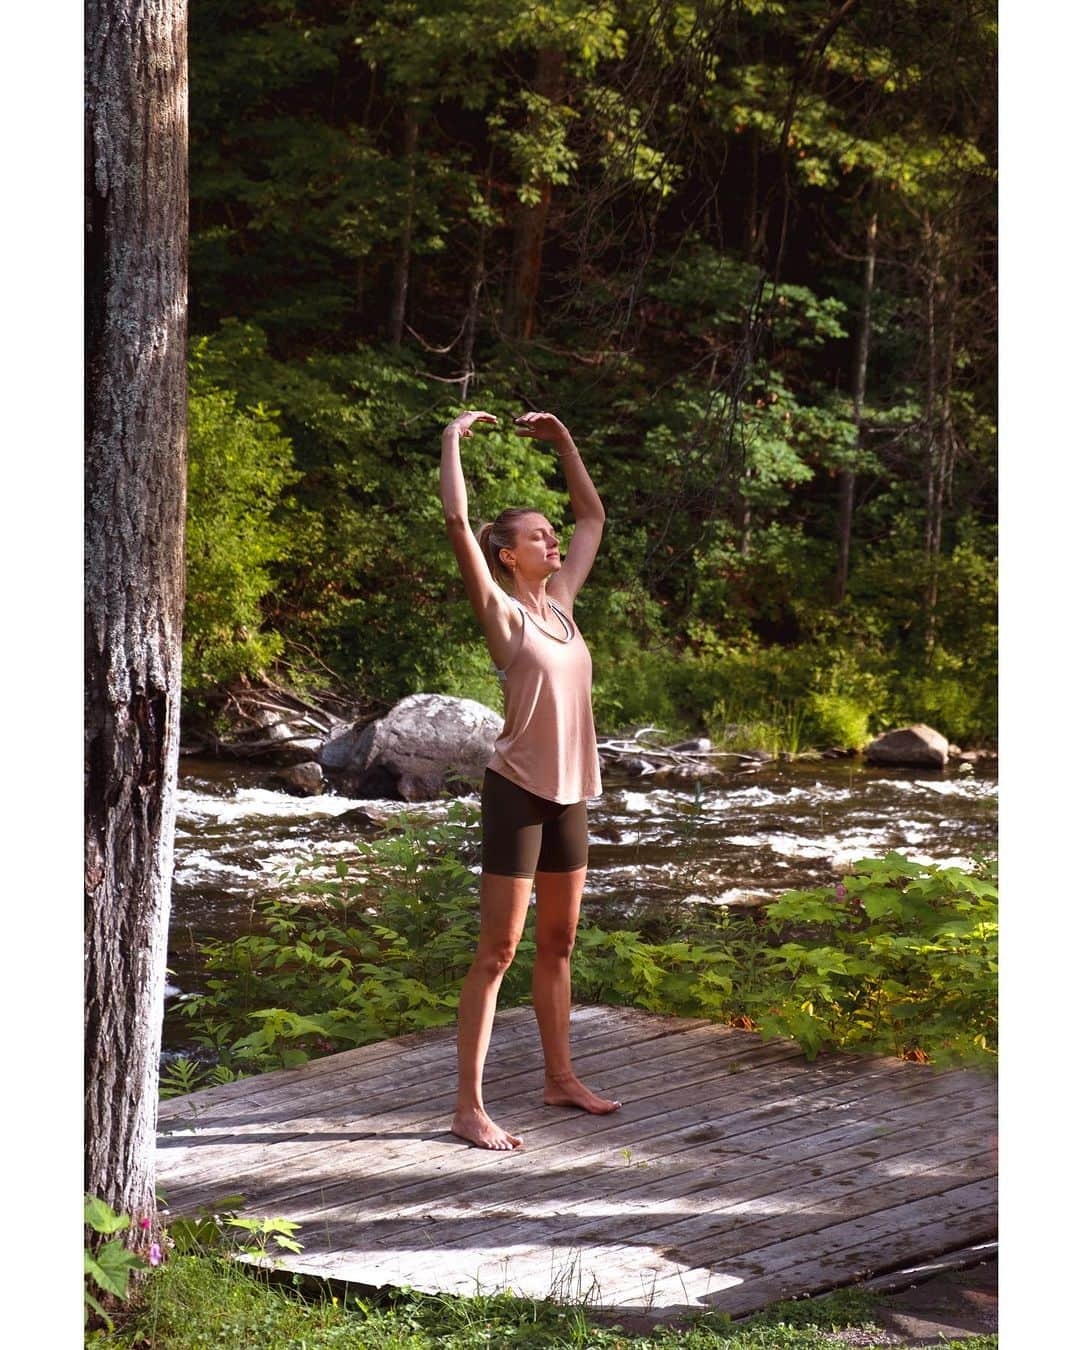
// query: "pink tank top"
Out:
[548,741]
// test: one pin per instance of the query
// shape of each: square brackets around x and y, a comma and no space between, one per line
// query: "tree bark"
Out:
[932,435]
[136,320]
[476,285]
[858,396]
[519,314]
[401,269]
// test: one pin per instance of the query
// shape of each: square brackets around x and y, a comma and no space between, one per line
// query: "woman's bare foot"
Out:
[477,1127]
[569,1090]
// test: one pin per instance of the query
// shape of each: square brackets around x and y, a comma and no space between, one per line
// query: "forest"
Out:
[744,249]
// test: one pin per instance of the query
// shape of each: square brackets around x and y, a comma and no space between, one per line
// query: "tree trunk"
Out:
[136,319]
[476,285]
[745,521]
[858,384]
[754,220]
[401,270]
[932,437]
[519,312]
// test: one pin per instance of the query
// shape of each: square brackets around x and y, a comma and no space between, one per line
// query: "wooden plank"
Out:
[550,1134]
[411,1079]
[516,1028]
[617,1276]
[618,1199]
[754,1179]
[376,1181]
[920,1228]
[667,1135]
[550,1127]
[723,1231]
[773,1215]
[671,1166]
[416,1108]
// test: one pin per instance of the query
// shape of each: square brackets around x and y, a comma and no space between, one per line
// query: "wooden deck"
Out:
[736,1173]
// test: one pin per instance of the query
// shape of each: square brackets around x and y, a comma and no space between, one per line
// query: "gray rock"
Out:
[302,780]
[338,752]
[359,819]
[426,744]
[918,745]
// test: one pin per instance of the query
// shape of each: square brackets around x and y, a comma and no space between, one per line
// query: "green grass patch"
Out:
[193,1302]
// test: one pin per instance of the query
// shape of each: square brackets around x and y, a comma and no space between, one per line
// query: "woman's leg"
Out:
[558,904]
[504,902]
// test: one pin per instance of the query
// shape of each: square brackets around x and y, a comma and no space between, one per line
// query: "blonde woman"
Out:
[544,766]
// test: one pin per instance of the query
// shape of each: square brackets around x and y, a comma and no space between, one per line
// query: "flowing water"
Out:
[740,840]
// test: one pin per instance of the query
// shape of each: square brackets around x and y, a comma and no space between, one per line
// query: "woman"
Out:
[544,766]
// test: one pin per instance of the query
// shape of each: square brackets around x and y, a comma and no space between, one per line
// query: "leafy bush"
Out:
[377,951]
[836,720]
[900,956]
[239,464]
[110,1264]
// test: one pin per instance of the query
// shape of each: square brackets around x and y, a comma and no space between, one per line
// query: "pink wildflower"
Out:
[841,890]
[154,1254]
[144,1224]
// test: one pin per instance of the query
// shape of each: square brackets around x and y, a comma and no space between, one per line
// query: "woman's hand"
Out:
[464,422]
[542,426]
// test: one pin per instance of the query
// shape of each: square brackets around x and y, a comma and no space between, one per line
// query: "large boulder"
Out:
[426,744]
[918,746]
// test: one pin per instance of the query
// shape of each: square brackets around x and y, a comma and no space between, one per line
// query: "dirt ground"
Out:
[951,1306]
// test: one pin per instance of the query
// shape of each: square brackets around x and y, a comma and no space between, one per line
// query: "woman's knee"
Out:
[495,957]
[555,942]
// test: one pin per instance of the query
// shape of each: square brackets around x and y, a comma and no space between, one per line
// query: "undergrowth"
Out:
[900,958]
[195,1302]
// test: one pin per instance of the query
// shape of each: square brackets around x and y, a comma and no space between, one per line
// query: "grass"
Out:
[193,1302]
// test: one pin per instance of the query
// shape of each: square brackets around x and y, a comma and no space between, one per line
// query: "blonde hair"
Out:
[502,533]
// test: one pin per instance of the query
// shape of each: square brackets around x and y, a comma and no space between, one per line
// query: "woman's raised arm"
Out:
[480,585]
[585,503]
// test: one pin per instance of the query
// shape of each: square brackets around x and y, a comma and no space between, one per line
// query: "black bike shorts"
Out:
[524,834]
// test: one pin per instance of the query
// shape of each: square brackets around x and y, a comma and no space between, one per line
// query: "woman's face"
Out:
[536,548]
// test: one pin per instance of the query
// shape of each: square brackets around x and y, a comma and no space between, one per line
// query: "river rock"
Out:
[360,819]
[426,744]
[302,780]
[918,745]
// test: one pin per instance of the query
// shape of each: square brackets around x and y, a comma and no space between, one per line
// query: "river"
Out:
[738,841]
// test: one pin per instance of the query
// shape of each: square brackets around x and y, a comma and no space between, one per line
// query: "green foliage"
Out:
[900,957]
[109,1264]
[182,1075]
[706,373]
[202,1301]
[219,1228]
[838,721]
[239,464]
[374,951]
